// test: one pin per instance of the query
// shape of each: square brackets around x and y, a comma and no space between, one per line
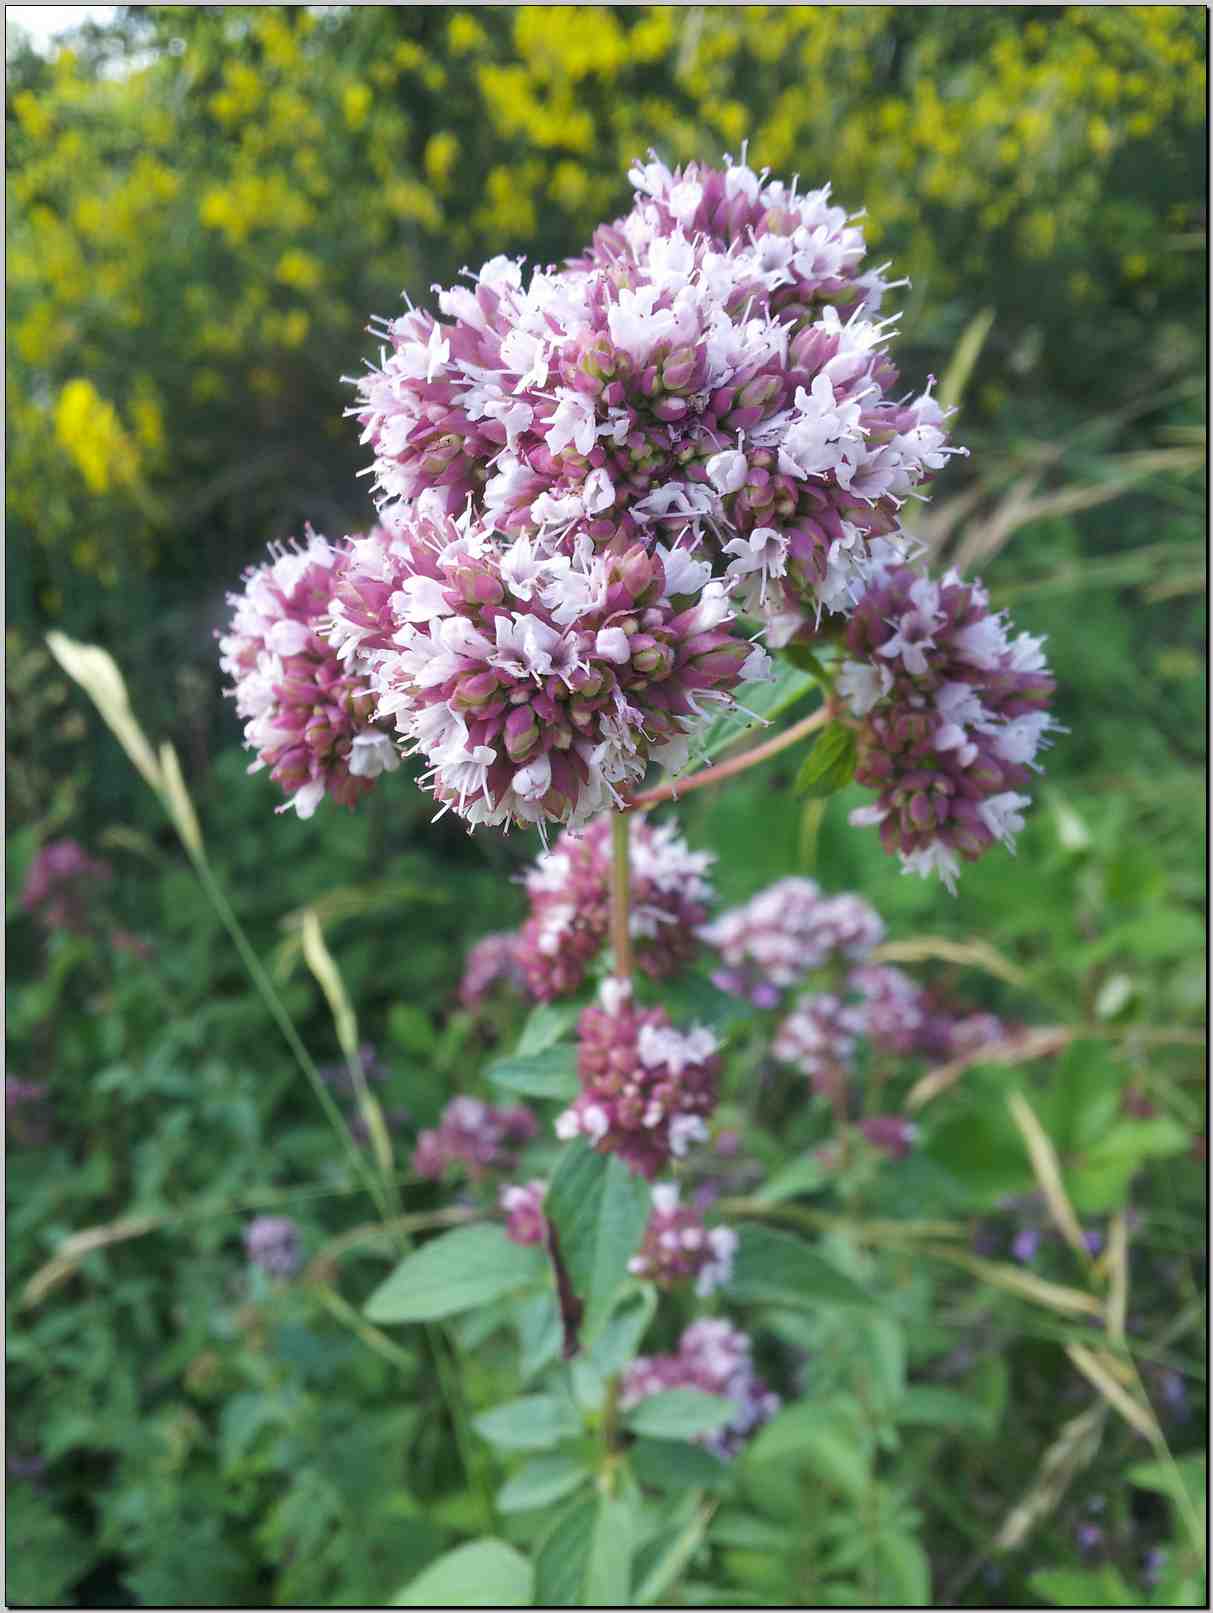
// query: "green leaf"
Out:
[1083,1587]
[825,1440]
[599,1211]
[803,1175]
[622,1332]
[482,1573]
[530,1423]
[1100,1180]
[550,1074]
[927,1406]
[680,1414]
[830,765]
[800,655]
[671,1464]
[779,1269]
[764,700]
[1188,1474]
[904,1568]
[542,1481]
[585,1560]
[546,1024]
[466,1267]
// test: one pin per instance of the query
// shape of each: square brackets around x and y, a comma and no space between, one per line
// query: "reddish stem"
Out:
[676,788]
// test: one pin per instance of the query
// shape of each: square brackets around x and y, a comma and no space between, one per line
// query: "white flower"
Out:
[862,684]
[371,754]
[1003,816]
[727,471]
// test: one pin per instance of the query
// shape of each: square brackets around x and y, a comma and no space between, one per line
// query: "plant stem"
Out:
[282,1018]
[676,788]
[621,931]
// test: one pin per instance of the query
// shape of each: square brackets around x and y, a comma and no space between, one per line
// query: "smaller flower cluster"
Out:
[476,1136]
[568,890]
[785,932]
[523,1206]
[715,1357]
[492,962]
[273,1244]
[646,1088]
[678,1247]
[308,717]
[952,714]
[819,1037]
[61,880]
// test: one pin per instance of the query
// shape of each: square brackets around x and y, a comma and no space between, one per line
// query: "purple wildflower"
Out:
[570,905]
[272,1242]
[646,1088]
[523,1206]
[951,716]
[678,1247]
[715,1357]
[476,1136]
[61,880]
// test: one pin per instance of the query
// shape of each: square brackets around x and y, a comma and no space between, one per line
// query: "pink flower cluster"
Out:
[715,1357]
[476,1136]
[819,1038]
[903,1018]
[309,720]
[952,715]
[646,1088]
[692,374]
[491,962]
[272,1242]
[523,1206]
[61,880]
[785,932]
[537,675]
[568,888]
[678,1247]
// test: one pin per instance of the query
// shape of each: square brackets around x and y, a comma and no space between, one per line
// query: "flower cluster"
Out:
[646,1088]
[60,881]
[785,932]
[491,962]
[473,1134]
[693,373]
[951,713]
[537,674]
[569,894]
[716,1358]
[272,1242]
[818,1038]
[905,1019]
[523,1206]
[309,720]
[678,1247]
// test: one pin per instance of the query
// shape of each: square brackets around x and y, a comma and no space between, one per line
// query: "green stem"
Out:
[282,1019]
[621,932]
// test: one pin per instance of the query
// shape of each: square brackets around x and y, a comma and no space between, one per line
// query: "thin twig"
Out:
[676,788]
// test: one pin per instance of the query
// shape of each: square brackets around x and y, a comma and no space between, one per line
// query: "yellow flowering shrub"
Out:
[199,231]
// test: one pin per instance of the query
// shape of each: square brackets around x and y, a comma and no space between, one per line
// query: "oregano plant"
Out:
[631,512]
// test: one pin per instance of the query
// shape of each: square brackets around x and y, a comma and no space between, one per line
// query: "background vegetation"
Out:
[205,206]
